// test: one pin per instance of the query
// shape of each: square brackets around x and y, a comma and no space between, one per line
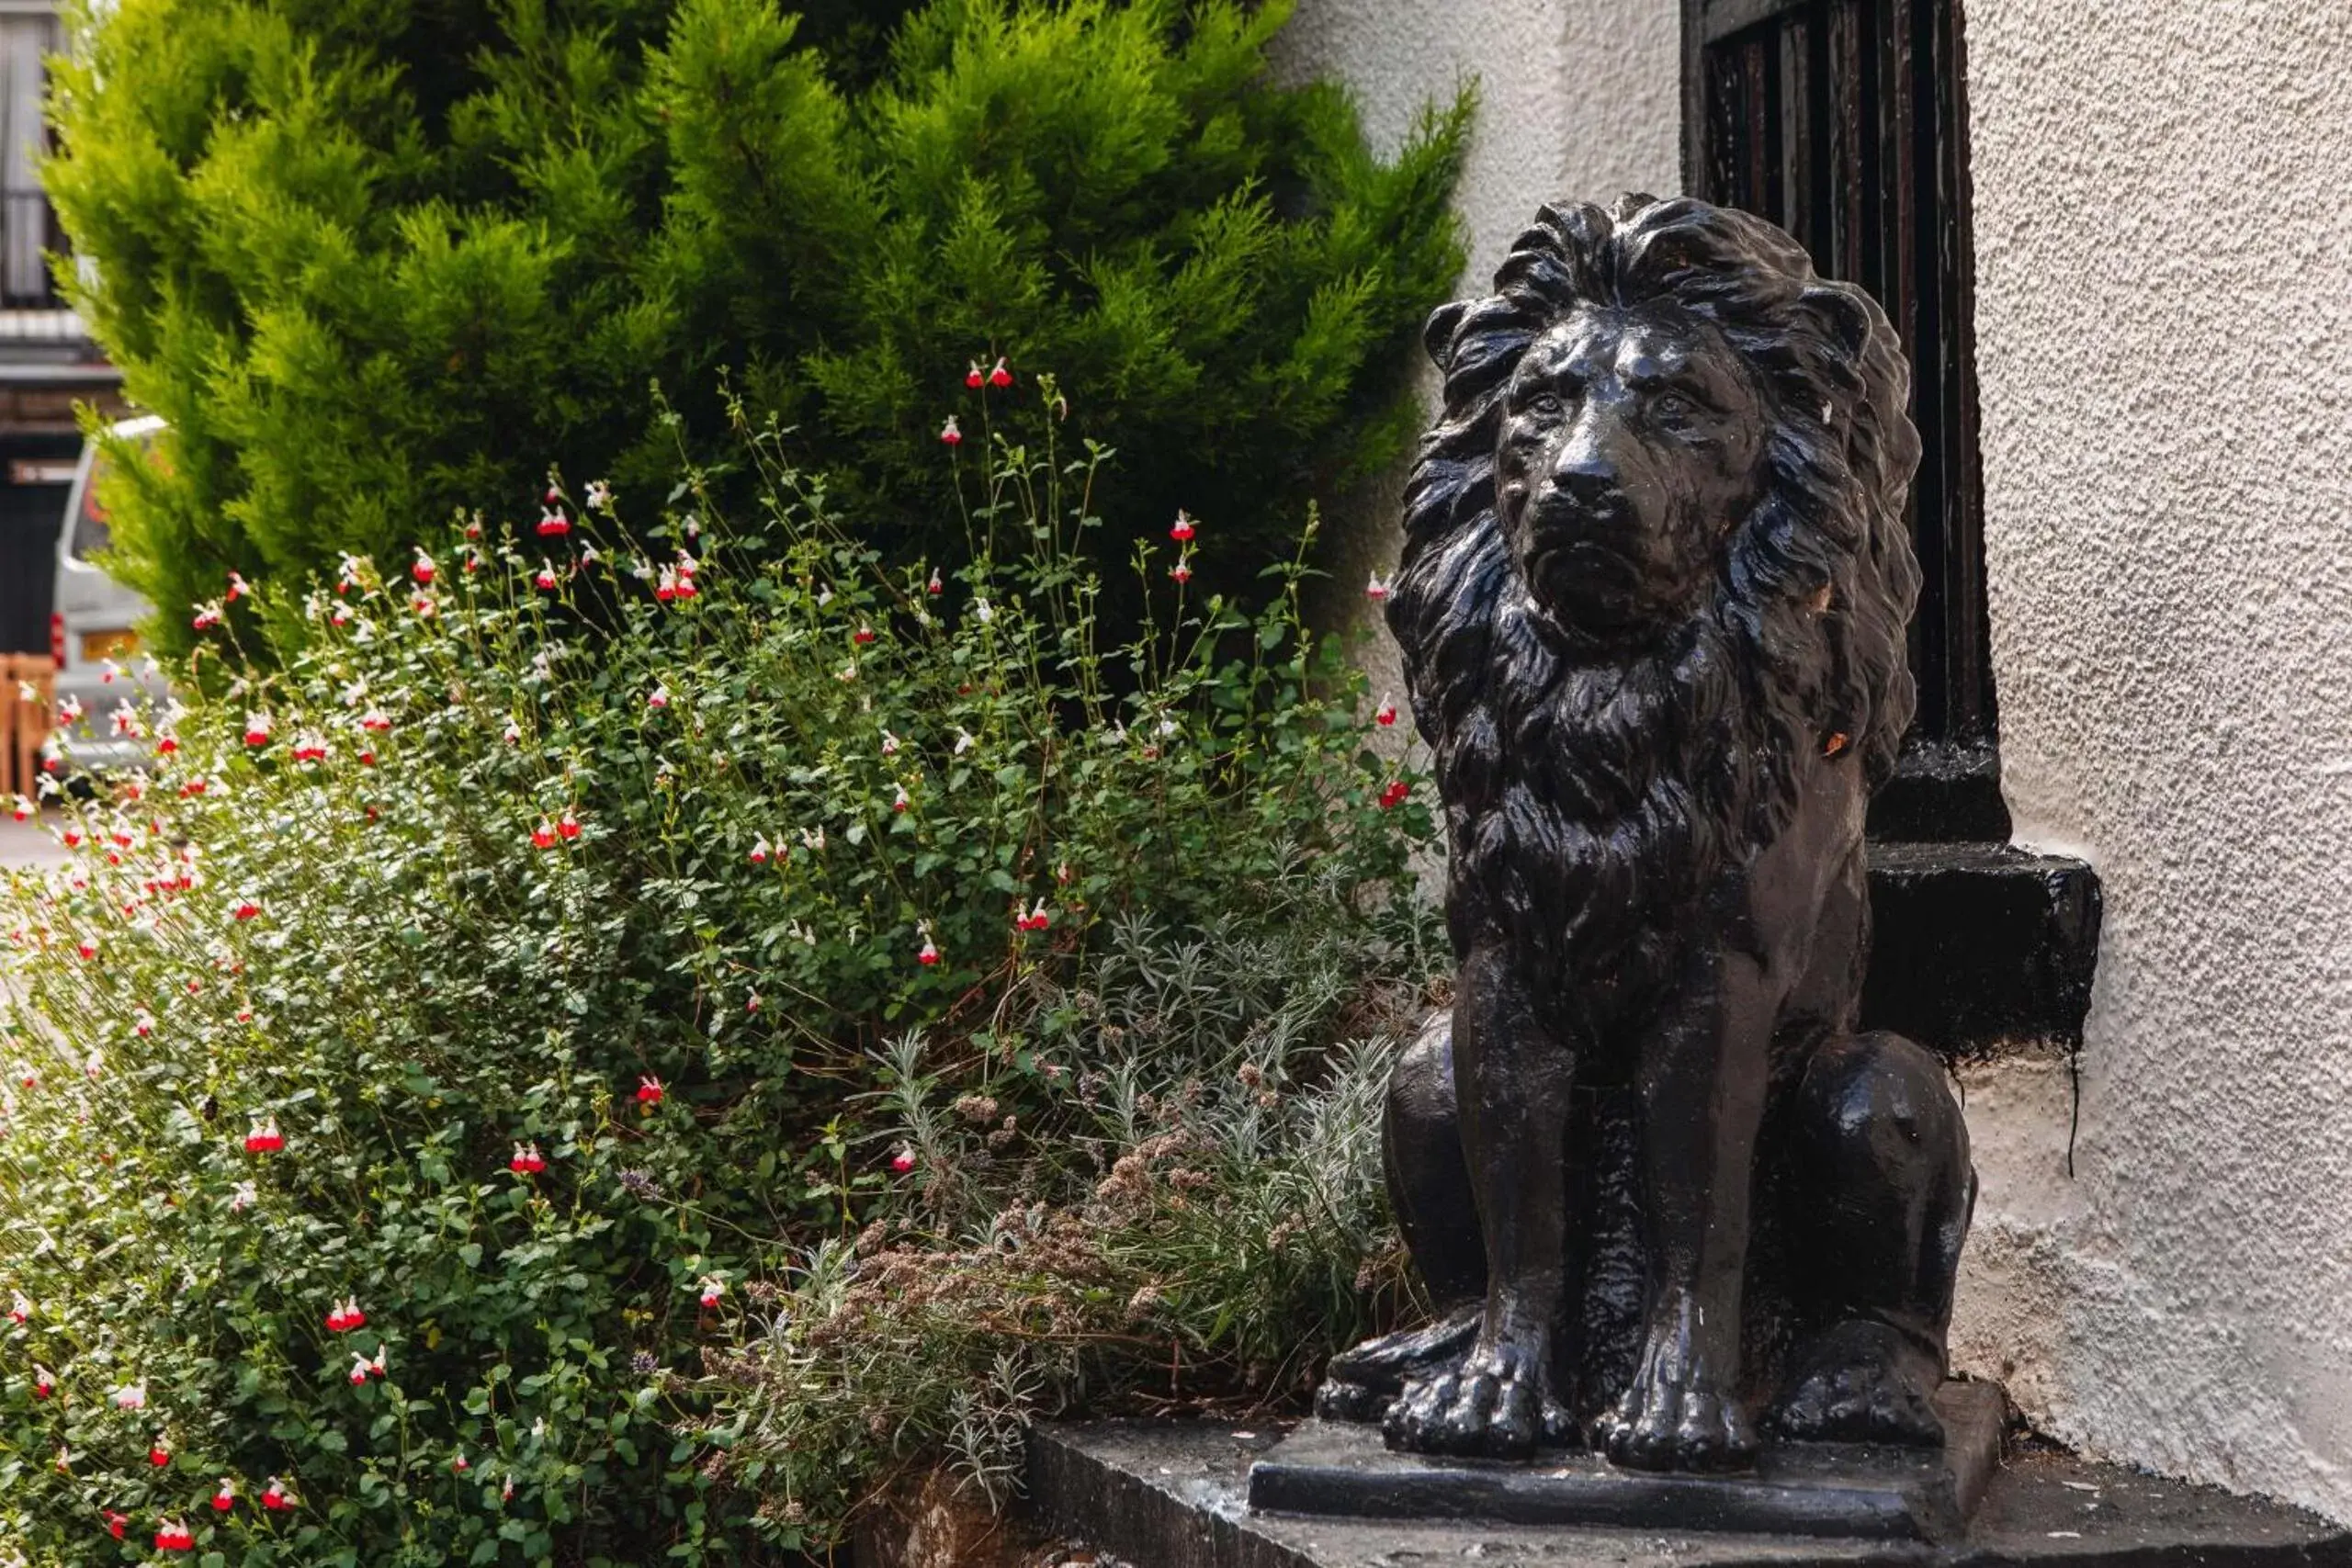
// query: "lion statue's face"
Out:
[1632,444]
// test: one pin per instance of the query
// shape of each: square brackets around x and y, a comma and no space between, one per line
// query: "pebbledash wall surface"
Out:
[2164,323]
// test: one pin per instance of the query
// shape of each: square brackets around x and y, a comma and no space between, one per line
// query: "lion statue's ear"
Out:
[1844,312]
[1438,335]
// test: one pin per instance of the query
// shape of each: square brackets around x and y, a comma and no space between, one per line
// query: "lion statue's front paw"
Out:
[1496,1403]
[1675,1416]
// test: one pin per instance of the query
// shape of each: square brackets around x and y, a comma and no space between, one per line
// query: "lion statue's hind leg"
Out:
[1878,1206]
[1428,1188]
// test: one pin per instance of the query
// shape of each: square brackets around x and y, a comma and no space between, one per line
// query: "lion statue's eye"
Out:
[1671,407]
[1544,405]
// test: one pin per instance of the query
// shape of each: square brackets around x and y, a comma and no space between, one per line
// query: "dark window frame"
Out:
[1846,122]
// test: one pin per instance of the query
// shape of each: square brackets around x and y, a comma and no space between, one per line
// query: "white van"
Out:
[93,624]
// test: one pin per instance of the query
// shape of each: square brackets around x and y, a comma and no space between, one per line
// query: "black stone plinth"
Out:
[1173,1494]
[1813,1489]
[1973,945]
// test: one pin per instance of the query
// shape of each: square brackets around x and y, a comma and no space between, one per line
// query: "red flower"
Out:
[1395,794]
[1183,529]
[20,1309]
[159,1452]
[648,1091]
[423,570]
[543,836]
[1000,376]
[173,1535]
[256,729]
[238,588]
[527,1159]
[359,1369]
[226,1498]
[974,376]
[346,1315]
[928,954]
[546,580]
[1385,714]
[457,1466]
[934,587]
[949,434]
[1180,573]
[246,909]
[87,947]
[44,1381]
[900,801]
[1375,589]
[376,721]
[553,524]
[275,1498]
[903,1161]
[117,1523]
[567,826]
[207,617]
[713,1289]
[862,635]
[310,746]
[265,1137]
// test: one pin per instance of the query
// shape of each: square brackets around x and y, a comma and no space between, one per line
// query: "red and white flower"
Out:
[1386,714]
[159,1452]
[173,1535]
[20,1308]
[901,800]
[69,710]
[458,1464]
[1183,529]
[130,1396]
[1182,571]
[344,1315]
[975,376]
[346,573]
[423,570]
[903,1160]
[760,849]
[928,954]
[934,587]
[226,1497]
[44,1381]
[1376,590]
[309,746]
[256,729]
[1000,376]
[1395,794]
[553,524]
[243,1196]
[246,908]
[264,1137]
[544,578]
[658,698]
[648,1091]
[275,1496]
[713,1289]
[423,606]
[543,836]
[117,1523]
[238,588]
[949,434]
[567,826]
[528,1160]
[376,721]
[208,616]
[359,1369]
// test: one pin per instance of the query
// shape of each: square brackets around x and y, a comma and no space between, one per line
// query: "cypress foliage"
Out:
[379,259]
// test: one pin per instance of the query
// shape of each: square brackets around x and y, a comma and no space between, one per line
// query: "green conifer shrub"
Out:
[378,259]
[570,1011]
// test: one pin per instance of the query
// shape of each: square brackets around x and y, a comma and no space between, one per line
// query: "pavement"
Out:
[28,844]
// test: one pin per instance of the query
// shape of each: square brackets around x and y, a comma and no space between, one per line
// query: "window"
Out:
[28,227]
[1844,122]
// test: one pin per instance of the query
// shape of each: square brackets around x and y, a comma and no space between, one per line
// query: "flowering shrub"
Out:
[470,1025]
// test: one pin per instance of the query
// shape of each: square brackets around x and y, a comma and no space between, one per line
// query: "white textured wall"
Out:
[2164,340]
[1577,99]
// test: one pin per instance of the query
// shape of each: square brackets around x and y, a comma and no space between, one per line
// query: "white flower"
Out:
[889,744]
[130,1396]
[246,1195]
[981,612]
[600,494]
[964,741]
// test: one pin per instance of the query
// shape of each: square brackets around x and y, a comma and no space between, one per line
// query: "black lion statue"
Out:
[1653,602]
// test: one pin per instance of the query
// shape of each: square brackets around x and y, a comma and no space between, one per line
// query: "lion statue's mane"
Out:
[1588,795]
